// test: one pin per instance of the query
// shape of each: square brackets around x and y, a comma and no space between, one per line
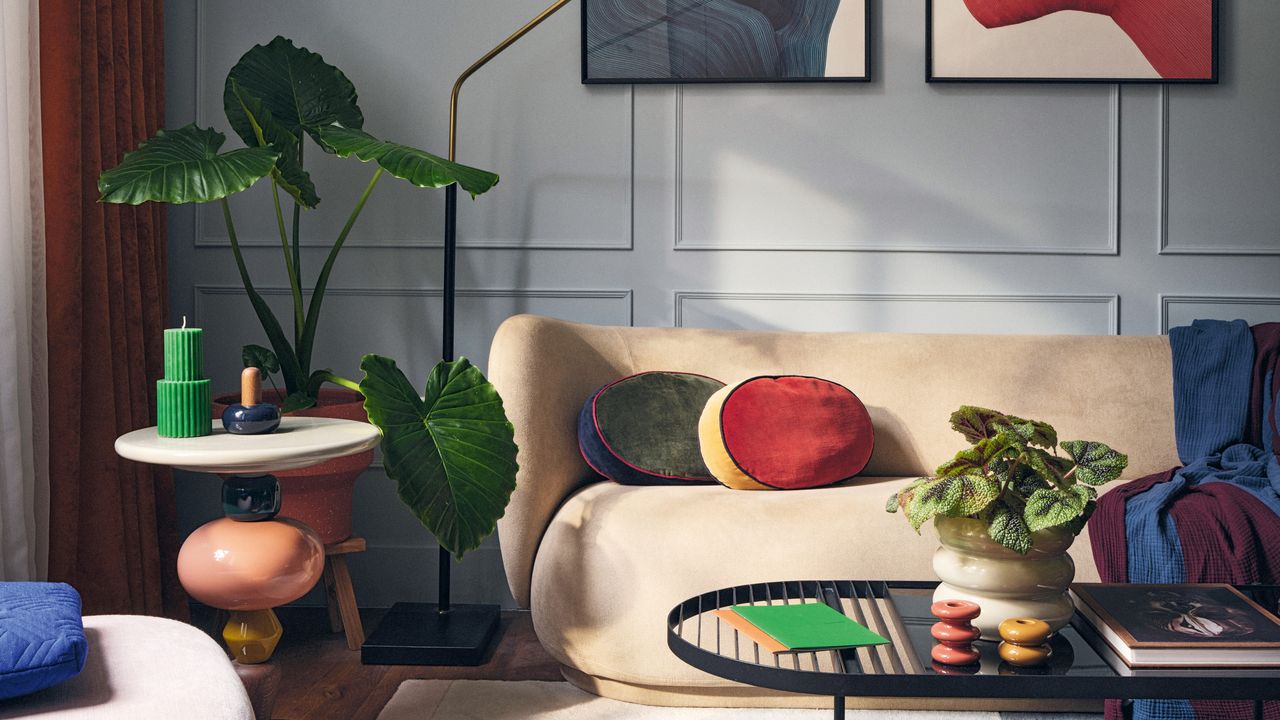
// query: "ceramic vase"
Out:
[1003,583]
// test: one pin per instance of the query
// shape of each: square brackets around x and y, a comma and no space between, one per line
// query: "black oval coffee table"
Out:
[1083,668]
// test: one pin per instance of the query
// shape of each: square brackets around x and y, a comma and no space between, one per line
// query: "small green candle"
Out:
[183,407]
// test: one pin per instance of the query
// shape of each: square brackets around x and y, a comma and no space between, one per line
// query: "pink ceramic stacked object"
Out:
[954,632]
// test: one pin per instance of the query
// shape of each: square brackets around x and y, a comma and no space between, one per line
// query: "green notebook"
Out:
[811,626]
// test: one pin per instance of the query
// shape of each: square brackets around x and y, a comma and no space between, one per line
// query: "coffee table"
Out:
[1083,666]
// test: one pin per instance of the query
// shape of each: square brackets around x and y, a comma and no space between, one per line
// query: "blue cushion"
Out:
[41,636]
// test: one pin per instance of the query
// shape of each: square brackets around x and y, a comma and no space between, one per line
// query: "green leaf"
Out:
[1010,529]
[452,454]
[1096,463]
[261,358]
[1051,507]
[183,166]
[1050,468]
[903,496]
[975,493]
[974,423]
[267,132]
[297,401]
[316,380]
[419,167]
[1032,432]
[1076,526]
[932,497]
[301,91]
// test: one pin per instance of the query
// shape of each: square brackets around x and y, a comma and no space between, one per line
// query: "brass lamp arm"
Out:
[457,86]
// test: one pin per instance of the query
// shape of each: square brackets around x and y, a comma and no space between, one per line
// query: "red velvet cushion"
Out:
[795,432]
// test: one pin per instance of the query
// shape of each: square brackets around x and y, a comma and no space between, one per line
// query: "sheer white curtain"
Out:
[24,481]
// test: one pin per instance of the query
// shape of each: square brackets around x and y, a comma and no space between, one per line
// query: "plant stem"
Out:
[297,212]
[289,367]
[339,380]
[295,283]
[317,296]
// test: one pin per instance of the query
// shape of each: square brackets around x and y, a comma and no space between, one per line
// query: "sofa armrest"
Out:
[544,369]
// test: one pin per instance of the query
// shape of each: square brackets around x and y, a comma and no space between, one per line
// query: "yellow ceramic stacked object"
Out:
[1026,642]
[252,635]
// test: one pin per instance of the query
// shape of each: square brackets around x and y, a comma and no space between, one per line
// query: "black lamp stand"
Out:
[443,633]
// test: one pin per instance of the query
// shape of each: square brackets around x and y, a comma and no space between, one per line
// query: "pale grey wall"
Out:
[890,206]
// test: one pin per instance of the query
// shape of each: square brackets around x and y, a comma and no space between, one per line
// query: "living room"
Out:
[947,254]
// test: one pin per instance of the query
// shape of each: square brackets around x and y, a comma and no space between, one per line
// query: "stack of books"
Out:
[1181,625]
[798,628]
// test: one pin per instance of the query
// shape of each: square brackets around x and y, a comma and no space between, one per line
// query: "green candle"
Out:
[183,407]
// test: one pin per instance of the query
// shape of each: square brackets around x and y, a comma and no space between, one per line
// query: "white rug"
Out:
[529,700]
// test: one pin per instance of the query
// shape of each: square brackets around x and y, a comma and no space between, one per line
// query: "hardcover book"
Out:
[798,628]
[1181,625]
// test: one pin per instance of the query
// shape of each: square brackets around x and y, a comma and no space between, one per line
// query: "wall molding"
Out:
[1168,301]
[628,295]
[624,241]
[1111,301]
[1164,247]
[1112,247]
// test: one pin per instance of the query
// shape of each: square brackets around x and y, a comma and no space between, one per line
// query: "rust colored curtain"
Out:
[112,522]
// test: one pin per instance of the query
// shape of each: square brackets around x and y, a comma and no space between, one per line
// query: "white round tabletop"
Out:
[299,442]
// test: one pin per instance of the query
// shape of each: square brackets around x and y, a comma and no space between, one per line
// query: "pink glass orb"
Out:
[250,565]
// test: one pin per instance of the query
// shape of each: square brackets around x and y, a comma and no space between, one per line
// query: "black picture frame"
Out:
[930,77]
[589,79]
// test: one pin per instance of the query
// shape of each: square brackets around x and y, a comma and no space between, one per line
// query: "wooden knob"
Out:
[250,386]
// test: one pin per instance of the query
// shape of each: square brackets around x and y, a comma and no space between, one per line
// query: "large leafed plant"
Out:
[1012,479]
[452,453]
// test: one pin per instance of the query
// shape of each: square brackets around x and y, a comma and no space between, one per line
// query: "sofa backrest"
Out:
[1116,390]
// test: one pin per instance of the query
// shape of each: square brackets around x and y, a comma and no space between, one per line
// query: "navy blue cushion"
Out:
[41,636]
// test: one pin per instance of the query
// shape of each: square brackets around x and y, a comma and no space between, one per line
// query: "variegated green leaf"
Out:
[974,423]
[1032,432]
[1051,507]
[931,498]
[1010,529]
[975,493]
[1096,464]
[1049,468]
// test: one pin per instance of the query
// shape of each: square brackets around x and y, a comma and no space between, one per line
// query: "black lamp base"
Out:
[418,634]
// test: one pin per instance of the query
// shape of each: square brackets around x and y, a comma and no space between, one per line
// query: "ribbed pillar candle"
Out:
[183,407]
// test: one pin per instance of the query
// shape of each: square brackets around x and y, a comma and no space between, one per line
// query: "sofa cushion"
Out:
[643,429]
[785,433]
[142,667]
[42,639]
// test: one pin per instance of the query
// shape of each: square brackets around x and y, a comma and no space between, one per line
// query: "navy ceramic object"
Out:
[251,499]
[251,419]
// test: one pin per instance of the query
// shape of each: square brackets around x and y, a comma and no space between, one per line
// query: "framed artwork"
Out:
[725,41]
[1154,41]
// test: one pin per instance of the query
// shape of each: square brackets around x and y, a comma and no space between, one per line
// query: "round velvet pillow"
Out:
[785,433]
[643,429]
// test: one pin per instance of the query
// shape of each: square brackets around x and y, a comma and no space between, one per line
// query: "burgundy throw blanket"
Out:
[1227,534]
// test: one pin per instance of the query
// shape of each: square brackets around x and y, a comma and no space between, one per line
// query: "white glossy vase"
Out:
[1003,583]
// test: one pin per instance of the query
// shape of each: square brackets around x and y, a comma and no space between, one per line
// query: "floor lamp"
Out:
[444,633]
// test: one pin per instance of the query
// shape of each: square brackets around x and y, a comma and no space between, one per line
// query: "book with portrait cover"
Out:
[1181,625]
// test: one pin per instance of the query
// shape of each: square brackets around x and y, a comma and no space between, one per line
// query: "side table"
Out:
[250,561]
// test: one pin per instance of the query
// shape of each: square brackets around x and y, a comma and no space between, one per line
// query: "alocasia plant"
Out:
[1012,479]
[452,454]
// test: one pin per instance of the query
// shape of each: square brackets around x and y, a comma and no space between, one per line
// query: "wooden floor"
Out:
[322,679]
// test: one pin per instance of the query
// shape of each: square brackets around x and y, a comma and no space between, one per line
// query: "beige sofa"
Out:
[600,564]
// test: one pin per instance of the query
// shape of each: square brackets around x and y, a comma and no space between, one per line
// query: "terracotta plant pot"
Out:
[1003,583]
[319,496]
